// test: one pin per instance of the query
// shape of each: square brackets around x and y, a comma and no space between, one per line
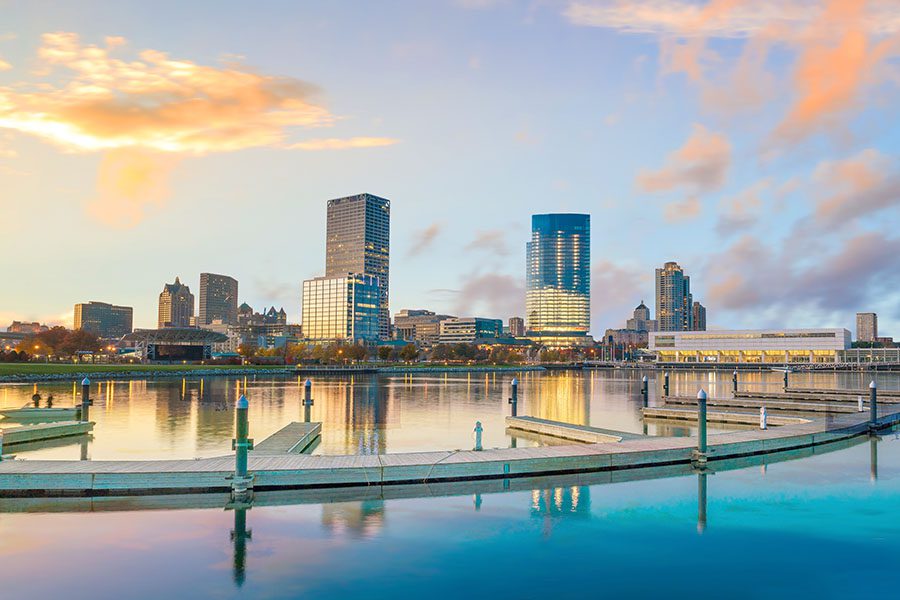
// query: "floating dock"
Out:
[715,416]
[43,431]
[294,438]
[836,392]
[30,413]
[821,396]
[778,405]
[568,431]
[300,471]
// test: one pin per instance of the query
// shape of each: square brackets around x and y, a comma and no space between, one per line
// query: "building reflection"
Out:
[561,397]
[358,519]
[552,503]
[355,415]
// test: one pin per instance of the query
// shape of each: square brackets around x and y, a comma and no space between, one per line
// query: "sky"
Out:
[755,142]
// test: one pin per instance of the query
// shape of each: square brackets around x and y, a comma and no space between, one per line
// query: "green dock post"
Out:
[478,430]
[242,445]
[307,400]
[514,400]
[734,383]
[644,390]
[666,383]
[873,404]
[85,399]
[701,422]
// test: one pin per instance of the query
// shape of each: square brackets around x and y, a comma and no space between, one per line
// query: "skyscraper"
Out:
[699,317]
[674,303]
[176,305]
[517,327]
[218,299]
[358,241]
[866,327]
[341,309]
[106,321]
[641,321]
[558,280]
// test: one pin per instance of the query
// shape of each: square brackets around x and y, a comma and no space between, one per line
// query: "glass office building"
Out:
[341,309]
[106,321]
[674,301]
[558,280]
[218,299]
[358,240]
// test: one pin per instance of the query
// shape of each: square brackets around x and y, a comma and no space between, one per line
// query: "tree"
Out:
[384,353]
[356,352]
[78,341]
[409,352]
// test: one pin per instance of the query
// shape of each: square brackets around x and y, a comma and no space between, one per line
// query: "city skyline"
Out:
[782,207]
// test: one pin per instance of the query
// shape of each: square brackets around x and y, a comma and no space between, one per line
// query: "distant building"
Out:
[357,241]
[517,327]
[626,337]
[341,309]
[698,317]
[641,320]
[866,327]
[468,329]
[558,280]
[757,346]
[26,328]
[106,321]
[419,326]
[176,305]
[674,303]
[218,299]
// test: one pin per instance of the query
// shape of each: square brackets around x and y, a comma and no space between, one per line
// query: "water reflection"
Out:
[363,519]
[239,537]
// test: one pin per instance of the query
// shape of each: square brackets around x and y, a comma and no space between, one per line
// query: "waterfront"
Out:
[373,414]
[819,526]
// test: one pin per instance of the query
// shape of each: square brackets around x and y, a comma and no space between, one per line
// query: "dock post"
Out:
[763,418]
[734,383]
[85,399]
[241,483]
[666,383]
[701,425]
[786,371]
[873,404]
[859,404]
[307,400]
[478,430]
[644,391]
[514,400]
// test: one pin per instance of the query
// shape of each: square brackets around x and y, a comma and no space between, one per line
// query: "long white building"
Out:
[776,346]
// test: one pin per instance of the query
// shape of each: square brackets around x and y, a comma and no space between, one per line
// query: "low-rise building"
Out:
[467,329]
[517,327]
[419,326]
[776,346]
[104,320]
[27,328]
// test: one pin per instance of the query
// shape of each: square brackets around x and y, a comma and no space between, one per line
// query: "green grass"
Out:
[54,368]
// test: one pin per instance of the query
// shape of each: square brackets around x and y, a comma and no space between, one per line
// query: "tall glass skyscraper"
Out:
[218,299]
[674,302]
[358,240]
[343,309]
[558,280]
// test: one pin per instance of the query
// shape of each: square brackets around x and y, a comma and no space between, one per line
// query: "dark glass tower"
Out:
[558,280]
[358,241]
[218,299]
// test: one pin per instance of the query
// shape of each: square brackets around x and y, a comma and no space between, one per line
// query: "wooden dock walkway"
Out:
[300,471]
[715,416]
[43,431]
[43,415]
[569,431]
[795,406]
[293,438]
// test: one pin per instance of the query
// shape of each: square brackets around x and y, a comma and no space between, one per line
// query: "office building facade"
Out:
[358,237]
[759,346]
[698,317]
[466,330]
[866,327]
[176,305]
[640,320]
[218,300]
[104,320]
[517,327]
[558,280]
[674,302]
[419,326]
[341,309]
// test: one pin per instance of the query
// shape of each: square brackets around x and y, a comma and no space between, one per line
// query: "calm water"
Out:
[188,418]
[824,526]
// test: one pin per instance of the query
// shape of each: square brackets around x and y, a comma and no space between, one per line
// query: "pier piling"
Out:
[666,383]
[644,390]
[307,401]
[514,399]
[241,483]
[734,382]
[763,418]
[85,399]
[478,430]
[873,403]
[701,422]
[859,404]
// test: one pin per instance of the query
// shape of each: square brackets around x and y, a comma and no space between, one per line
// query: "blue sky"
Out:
[754,143]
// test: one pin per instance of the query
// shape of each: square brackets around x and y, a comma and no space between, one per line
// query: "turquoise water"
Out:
[825,525]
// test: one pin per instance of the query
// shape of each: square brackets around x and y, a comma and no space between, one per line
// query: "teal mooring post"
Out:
[307,400]
[666,383]
[478,430]
[644,390]
[873,404]
[701,422]
[734,382]
[242,446]
[85,399]
[514,399]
